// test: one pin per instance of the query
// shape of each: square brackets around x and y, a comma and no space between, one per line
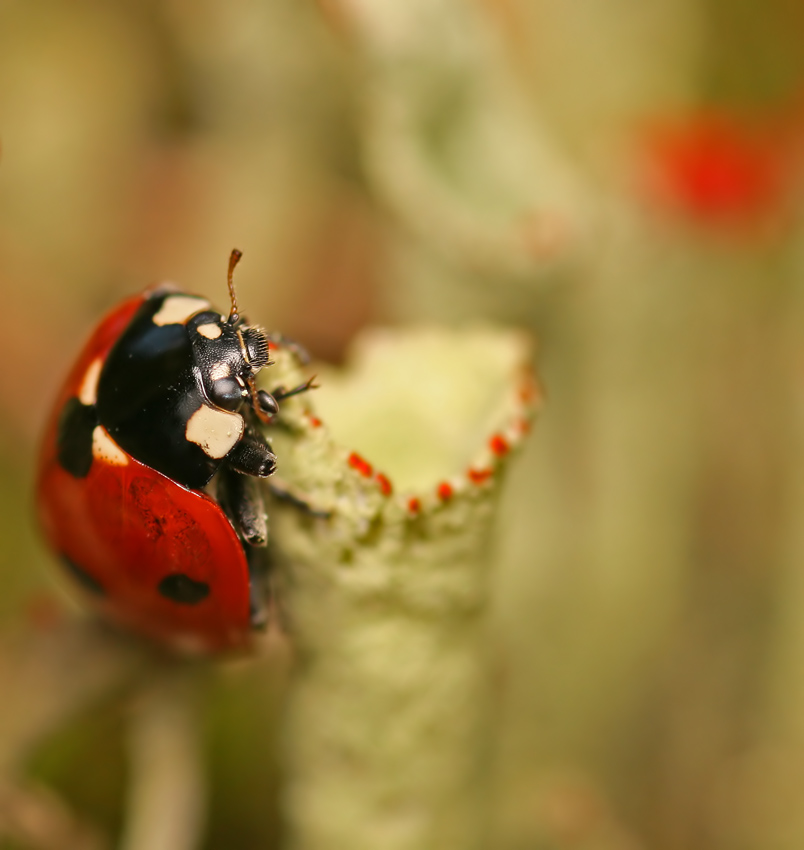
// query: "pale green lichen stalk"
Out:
[387,724]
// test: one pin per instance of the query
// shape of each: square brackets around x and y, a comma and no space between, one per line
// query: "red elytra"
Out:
[128,526]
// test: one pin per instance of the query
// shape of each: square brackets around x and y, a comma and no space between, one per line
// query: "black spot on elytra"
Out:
[86,581]
[182,589]
[74,437]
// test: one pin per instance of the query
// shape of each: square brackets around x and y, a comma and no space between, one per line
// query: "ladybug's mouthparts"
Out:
[255,347]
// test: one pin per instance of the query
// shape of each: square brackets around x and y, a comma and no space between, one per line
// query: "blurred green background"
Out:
[624,180]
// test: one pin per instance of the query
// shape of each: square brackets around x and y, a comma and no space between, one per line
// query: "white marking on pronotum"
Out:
[220,370]
[210,330]
[216,431]
[105,449]
[88,391]
[176,309]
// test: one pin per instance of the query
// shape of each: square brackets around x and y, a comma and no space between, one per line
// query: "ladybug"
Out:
[148,484]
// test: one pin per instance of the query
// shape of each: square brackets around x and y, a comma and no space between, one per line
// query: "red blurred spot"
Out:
[314,421]
[478,476]
[444,491]
[361,465]
[414,505]
[720,168]
[529,390]
[499,445]
[386,488]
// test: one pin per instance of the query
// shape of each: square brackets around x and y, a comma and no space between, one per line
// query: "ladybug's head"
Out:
[228,354]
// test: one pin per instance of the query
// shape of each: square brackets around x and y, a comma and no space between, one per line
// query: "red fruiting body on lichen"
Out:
[361,465]
[499,445]
[478,476]
[444,491]
[528,391]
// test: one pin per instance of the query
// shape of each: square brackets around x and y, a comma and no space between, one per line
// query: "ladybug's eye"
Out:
[227,393]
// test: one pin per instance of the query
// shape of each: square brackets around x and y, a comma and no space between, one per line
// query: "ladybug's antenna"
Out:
[234,259]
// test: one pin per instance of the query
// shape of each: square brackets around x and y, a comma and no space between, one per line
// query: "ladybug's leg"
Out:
[280,393]
[252,455]
[259,588]
[241,500]
[268,402]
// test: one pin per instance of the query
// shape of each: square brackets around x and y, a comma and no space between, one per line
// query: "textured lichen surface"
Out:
[386,595]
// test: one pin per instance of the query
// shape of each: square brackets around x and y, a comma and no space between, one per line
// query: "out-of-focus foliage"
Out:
[624,180]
